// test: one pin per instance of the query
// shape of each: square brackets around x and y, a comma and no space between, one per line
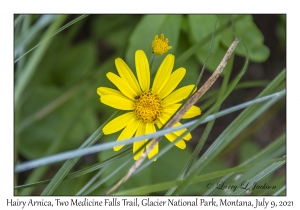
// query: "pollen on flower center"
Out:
[148,106]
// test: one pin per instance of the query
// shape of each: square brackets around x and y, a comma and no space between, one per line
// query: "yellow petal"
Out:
[126,74]
[163,118]
[117,102]
[128,132]
[163,74]
[171,109]
[172,137]
[172,83]
[122,85]
[118,123]
[187,137]
[150,128]
[137,145]
[192,112]
[142,69]
[108,91]
[178,95]
[154,151]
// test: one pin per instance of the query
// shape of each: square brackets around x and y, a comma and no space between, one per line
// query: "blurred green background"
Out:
[57,107]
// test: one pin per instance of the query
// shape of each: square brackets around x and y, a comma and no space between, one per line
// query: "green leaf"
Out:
[191,65]
[249,33]
[202,26]
[259,53]
[35,139]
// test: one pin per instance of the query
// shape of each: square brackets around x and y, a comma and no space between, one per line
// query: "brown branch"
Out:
[195,97]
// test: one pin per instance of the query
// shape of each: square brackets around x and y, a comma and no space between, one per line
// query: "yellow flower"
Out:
[160,45]
[146,106]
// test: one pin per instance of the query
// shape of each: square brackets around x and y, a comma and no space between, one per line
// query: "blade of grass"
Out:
[267,171]
[30,33]
[250,84]
[102,181]
[49,37]
[18,20]
[144,190]
[91,181]
[33,61]
[25,26]
[280,190]
[270,151]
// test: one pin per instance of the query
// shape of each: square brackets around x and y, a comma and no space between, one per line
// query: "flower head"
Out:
[160,45]
[148,108]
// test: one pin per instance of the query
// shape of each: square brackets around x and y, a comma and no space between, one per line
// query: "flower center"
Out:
[148,106]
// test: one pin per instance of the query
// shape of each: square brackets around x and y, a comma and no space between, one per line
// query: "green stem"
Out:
[152,61]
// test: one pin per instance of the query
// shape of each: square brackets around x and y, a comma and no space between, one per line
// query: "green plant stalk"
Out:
[152,61]
[34,60]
